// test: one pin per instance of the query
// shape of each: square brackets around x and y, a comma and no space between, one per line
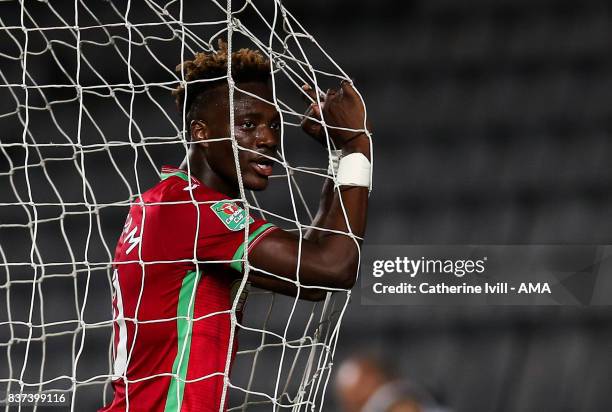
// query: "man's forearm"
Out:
[350,199]
[330,214]
[327,197]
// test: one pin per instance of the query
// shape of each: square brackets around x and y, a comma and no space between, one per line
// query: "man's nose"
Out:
[266,137]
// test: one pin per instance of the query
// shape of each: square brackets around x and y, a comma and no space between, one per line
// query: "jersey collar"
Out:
[169,171]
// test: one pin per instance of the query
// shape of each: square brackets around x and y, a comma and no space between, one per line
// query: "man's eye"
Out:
[275,126]
[248,124]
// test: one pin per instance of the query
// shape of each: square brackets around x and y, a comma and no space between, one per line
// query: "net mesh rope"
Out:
[87,122]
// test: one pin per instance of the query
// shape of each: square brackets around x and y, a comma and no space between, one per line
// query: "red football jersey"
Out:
[178,266]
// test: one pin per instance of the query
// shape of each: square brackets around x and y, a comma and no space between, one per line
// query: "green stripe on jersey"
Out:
[184,325]
[237,259]
[182,175]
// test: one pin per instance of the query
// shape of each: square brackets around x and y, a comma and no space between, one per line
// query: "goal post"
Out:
[87,122]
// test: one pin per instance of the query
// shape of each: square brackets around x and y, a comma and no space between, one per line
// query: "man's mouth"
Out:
[263,166]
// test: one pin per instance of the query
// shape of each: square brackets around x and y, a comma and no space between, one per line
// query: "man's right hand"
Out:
[340,108]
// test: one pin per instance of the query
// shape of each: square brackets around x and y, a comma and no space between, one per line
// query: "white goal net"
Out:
[87,119]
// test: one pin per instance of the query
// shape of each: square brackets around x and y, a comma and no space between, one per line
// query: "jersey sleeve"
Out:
[222,235]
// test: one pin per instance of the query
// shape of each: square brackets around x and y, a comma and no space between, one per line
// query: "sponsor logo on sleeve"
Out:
[233,216]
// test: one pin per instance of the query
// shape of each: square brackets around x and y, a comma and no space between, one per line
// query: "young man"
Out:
[180,259]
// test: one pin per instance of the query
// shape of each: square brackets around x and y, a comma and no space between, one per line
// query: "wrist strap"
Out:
[354,170]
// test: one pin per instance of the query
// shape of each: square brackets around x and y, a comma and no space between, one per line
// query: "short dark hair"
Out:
[247,65]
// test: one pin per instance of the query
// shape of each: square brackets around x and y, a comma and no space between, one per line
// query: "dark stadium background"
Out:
[492,125]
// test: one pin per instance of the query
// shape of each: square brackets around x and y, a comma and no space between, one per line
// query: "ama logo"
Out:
[232,215]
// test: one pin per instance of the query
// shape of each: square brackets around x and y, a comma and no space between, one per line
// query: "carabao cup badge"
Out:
[233,216]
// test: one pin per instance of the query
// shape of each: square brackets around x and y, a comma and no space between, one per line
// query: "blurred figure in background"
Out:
[364,385]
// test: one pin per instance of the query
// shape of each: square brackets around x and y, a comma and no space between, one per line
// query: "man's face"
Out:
[257,132]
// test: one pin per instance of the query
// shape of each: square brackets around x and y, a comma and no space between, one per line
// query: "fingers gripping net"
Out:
[87,122]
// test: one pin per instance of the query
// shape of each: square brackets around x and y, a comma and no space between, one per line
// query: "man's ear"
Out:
[199,132]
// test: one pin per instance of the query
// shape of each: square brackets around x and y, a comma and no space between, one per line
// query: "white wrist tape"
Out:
[354,170]
[332,169]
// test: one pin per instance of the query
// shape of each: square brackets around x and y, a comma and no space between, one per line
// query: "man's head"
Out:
[205,104]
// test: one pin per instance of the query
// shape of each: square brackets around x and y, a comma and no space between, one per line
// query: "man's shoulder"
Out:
[176,189]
